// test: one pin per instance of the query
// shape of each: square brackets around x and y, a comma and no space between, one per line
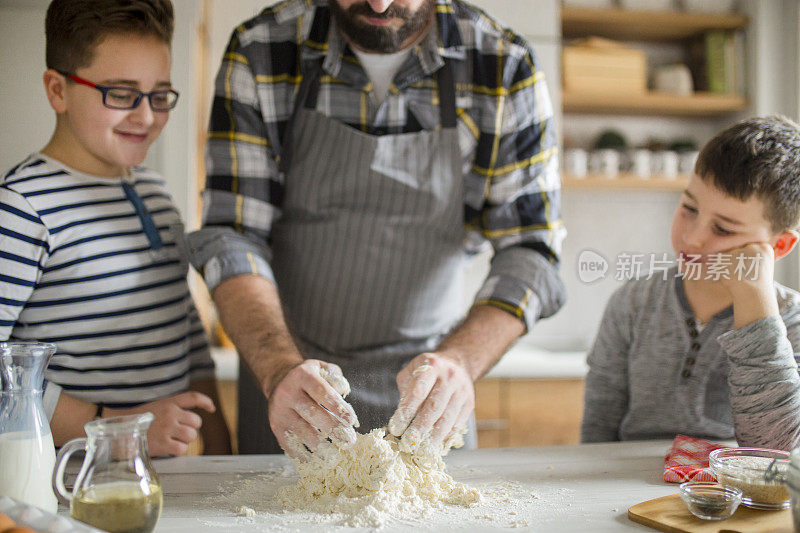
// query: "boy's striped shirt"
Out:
[77,269]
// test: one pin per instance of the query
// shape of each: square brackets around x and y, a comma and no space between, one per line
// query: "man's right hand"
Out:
[304,410]
[175,425]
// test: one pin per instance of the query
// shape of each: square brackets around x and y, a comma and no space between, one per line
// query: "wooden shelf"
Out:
[625,181]
[624,24]
[699,104]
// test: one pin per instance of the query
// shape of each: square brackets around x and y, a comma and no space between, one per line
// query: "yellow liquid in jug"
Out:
[118,507]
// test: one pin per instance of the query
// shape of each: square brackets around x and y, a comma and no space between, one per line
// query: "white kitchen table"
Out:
[581,488]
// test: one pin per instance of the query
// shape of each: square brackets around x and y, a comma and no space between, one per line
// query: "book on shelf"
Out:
[730,64]
[740,78]
[696,61]
[716,64]
[716,60]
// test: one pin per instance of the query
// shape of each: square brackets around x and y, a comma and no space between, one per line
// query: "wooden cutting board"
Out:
[671,514]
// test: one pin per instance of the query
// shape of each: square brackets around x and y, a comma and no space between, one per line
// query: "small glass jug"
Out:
[27,453]
[117,489]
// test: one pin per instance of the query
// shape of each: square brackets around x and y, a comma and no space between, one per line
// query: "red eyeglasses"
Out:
[128,97]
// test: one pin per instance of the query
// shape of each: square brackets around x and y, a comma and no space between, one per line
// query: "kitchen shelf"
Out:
[631,25]
[699,104]
[625,181]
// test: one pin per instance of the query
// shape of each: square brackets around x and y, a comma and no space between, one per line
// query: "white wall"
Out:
[175,153]
[27,119]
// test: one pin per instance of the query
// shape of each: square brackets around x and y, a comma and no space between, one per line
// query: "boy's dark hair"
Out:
[758,156]
[74,27]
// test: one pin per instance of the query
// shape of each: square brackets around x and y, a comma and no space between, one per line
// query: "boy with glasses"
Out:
[92,249]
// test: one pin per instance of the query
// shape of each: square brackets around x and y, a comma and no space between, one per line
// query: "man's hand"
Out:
[304,410]
[436,399]
[175,425]
[749,280]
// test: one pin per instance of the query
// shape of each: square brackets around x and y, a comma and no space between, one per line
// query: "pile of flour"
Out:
[371,482]
[258,500]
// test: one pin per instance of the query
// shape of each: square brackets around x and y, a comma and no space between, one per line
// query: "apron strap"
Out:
[446,86]
[309,90]
[306,97]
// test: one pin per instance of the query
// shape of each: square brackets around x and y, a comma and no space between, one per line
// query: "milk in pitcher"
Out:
[26,468]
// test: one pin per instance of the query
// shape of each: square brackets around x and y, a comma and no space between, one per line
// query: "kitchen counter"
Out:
[577,488]
[525,361]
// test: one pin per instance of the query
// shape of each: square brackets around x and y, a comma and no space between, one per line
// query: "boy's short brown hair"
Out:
[74,27]
[758,156]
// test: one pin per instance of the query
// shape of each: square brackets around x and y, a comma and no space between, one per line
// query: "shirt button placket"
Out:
[695,347]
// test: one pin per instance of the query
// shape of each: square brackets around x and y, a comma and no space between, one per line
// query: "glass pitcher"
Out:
[27,453]
[117,489]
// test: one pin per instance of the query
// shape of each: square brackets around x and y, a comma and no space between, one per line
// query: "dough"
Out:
[372,481]
[336,380]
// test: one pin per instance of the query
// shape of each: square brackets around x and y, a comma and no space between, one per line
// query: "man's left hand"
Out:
[437,397]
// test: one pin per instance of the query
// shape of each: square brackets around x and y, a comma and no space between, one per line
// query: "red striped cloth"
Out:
[687,460]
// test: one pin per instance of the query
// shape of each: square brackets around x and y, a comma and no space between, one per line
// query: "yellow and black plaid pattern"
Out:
[506,132]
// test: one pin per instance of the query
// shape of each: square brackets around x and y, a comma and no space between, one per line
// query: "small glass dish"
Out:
[746,469]
[710,501]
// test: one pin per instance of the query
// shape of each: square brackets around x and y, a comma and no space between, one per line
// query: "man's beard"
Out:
[380,39]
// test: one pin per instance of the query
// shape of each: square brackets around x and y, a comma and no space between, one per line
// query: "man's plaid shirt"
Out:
[506,134]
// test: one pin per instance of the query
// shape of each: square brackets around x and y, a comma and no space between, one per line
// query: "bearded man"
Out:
[359,153]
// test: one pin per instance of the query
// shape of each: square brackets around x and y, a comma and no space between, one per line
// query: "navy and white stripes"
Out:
[77,268]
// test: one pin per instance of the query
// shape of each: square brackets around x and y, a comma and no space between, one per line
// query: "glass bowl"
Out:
[746,469]
[793,483]
[710,501]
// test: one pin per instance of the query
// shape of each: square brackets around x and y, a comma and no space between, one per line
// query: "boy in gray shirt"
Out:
[708,349]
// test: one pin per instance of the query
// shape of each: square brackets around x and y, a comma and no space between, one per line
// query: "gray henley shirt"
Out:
[653,375]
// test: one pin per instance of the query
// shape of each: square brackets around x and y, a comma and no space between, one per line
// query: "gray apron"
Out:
[368,252]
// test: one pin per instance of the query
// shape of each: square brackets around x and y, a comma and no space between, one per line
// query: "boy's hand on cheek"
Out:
[749,268]
[751,271]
